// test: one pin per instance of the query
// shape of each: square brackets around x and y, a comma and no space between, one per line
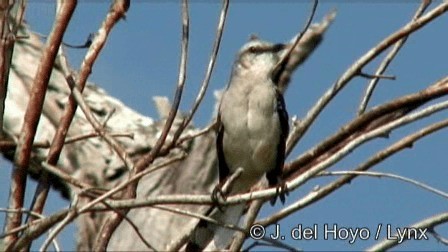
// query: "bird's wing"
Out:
[222,165]
[274,175]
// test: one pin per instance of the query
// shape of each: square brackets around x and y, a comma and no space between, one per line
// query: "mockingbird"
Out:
[252,131]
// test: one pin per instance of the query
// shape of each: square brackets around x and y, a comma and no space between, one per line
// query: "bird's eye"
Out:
[252,49]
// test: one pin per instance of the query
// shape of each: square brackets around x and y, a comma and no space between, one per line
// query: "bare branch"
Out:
[134,227]
[32,116]
[37,228]
[376,117]
[387,175]
[387,60]
[376,76]
[356,67]
[68,218]
[116,146]
[271,243]
[421,226]
[25,226]
[350,146]
[199,133]
[208,74]
[126,183]
[438,237]
[96,134]
[281,73]
[66,177]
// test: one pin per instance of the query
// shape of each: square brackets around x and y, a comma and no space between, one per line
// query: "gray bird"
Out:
[252,131]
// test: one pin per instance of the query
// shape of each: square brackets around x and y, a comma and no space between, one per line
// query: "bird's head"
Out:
[257,57]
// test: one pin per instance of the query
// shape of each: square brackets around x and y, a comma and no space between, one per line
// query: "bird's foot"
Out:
[282,192]
[217,197]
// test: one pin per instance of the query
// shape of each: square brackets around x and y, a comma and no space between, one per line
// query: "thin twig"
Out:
[108,117]
[73,139]
[199,216]
[281,64]
[438,237]
[208,74]
[387,175]
[23,210]
[116,146]
[70,179]
[178,244]
[388,59]
[139,234]
[6,145]
[126,183]
[67,219]
[198,133]
[421,226]
[147,159]
[276,244]
[133,226]
[25,226]
[37,227]
[22,227]
[356,67]
[376,76]
[269,244]
[10,145]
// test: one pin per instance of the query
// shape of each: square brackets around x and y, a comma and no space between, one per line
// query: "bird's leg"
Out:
[221,190]
[281,192]
[218,196]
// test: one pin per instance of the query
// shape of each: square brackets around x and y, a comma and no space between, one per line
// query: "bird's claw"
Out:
[281,192]
[217,197]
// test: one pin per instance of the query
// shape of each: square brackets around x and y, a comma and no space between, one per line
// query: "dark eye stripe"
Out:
[266,48]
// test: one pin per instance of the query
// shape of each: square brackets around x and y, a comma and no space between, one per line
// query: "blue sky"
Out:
[142,56]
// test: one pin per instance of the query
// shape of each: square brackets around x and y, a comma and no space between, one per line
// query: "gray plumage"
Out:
[252,131]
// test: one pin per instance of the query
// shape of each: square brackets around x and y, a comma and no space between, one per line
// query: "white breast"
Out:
[251,131]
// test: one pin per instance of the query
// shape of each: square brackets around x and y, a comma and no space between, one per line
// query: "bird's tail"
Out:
[211,236]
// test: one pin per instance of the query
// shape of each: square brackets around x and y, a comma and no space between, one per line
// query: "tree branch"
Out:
[356,67]
[32,116]
[422,225]
[388,59]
